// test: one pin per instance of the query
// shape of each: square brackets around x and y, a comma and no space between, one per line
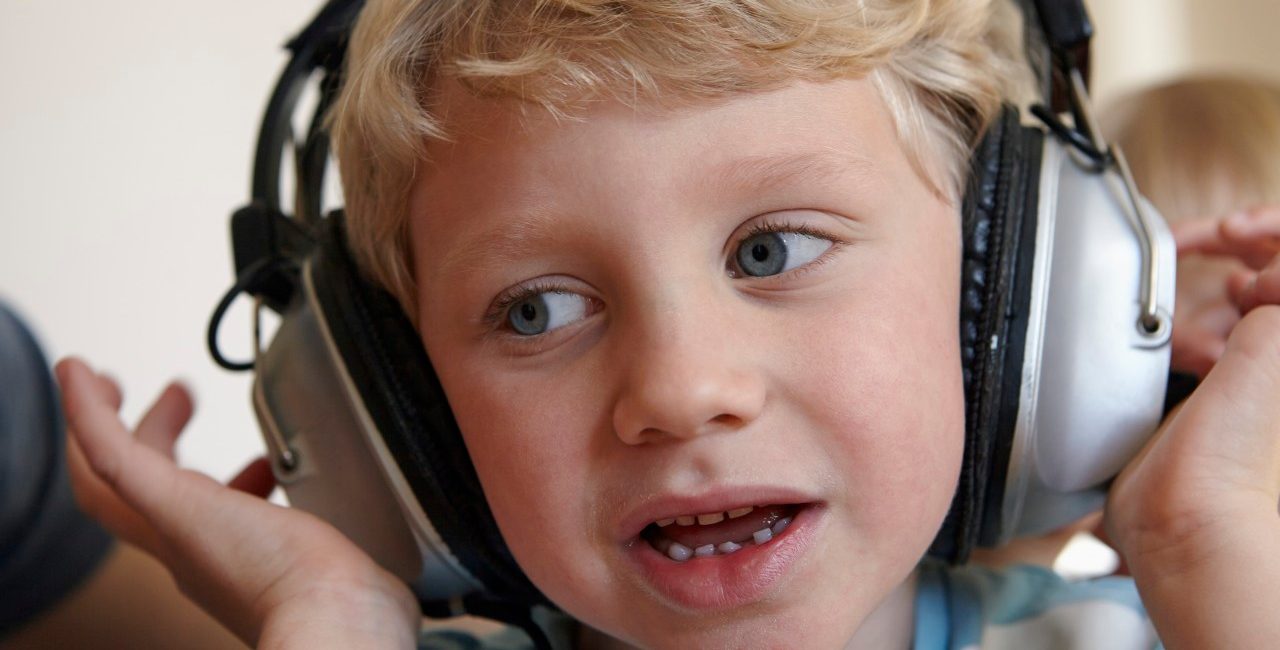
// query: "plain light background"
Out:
[126,135]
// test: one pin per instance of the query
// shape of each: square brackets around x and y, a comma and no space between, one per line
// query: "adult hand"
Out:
[275,576]
[1216,291]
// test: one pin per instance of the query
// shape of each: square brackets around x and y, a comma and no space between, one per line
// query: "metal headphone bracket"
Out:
[266,243]
[1067,29]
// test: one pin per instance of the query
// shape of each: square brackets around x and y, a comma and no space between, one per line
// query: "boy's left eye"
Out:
[539,312]
[772,252]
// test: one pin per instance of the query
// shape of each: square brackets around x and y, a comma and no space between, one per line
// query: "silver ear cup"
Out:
[1092,384]
[342,471]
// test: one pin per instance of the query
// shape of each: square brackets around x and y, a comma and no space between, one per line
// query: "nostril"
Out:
[724,422]
[650,433]
[727,420]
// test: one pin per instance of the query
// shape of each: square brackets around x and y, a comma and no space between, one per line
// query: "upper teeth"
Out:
[705,519]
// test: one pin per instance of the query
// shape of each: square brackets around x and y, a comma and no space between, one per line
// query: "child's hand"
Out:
[1251,238]
[1250,290]
[274,576]
[1195,514]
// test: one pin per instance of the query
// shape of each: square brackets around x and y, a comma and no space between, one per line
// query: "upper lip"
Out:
[668,505]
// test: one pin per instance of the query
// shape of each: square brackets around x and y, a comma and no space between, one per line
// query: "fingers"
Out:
[91,400]
[92,417]
[1259,224]
[1253,236]
[228,549]
[174,503]
[1262,288]
[166,418]
[1196,235]
[256,479]
[99,501]
[141,490]
[110,389]
[1237,401]
[160,426]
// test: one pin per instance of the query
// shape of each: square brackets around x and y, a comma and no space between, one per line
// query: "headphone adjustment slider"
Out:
[1153,324]
[287,460]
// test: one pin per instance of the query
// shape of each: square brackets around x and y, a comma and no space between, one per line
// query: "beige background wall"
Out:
[1140,42]
[126,135]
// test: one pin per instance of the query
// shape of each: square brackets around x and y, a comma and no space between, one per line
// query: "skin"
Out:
[840,383]
[1195,512]
[275,577]
[681,379]
[1217,261]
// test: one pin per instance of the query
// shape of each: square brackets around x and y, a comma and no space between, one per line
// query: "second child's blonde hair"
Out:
[1202,147]
[942,66]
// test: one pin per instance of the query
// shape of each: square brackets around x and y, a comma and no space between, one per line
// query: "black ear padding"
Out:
[389,366]
[999,218]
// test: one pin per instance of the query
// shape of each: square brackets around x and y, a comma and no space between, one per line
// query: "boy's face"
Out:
[646,315]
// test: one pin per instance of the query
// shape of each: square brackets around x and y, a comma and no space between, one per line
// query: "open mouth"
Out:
[709,561]
[706,535]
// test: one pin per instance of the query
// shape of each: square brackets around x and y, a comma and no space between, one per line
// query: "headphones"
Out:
[1066,310]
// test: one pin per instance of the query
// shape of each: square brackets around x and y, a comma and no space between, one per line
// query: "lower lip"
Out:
[728,581]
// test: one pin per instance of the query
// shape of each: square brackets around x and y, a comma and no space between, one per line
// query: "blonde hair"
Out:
[1202,147]
[942,66]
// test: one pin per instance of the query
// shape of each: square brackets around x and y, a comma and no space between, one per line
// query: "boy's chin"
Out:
[826,615]
[797,627]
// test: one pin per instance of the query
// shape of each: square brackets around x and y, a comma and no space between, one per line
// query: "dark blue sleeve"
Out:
[47,546]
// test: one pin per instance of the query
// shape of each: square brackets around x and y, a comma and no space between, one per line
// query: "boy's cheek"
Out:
[914,394]
[904,436]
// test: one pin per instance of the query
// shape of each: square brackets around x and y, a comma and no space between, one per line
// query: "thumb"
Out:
[1231,425]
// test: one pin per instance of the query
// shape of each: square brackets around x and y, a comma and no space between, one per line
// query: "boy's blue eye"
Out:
[770,253]
[544,311]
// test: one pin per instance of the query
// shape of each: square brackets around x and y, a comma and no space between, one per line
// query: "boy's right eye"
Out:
[534,311]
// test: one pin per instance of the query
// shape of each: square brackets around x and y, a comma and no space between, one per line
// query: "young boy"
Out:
[673,259]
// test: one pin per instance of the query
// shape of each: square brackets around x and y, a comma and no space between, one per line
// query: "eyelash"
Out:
[767,226]
[496,317]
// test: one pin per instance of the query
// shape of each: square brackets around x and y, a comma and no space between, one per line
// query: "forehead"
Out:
[510,170]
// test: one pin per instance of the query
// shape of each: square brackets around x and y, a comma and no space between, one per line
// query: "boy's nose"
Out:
[686,382]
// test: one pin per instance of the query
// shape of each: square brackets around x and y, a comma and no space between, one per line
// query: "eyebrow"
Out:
[769,172]
[501,245]
[516,239]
